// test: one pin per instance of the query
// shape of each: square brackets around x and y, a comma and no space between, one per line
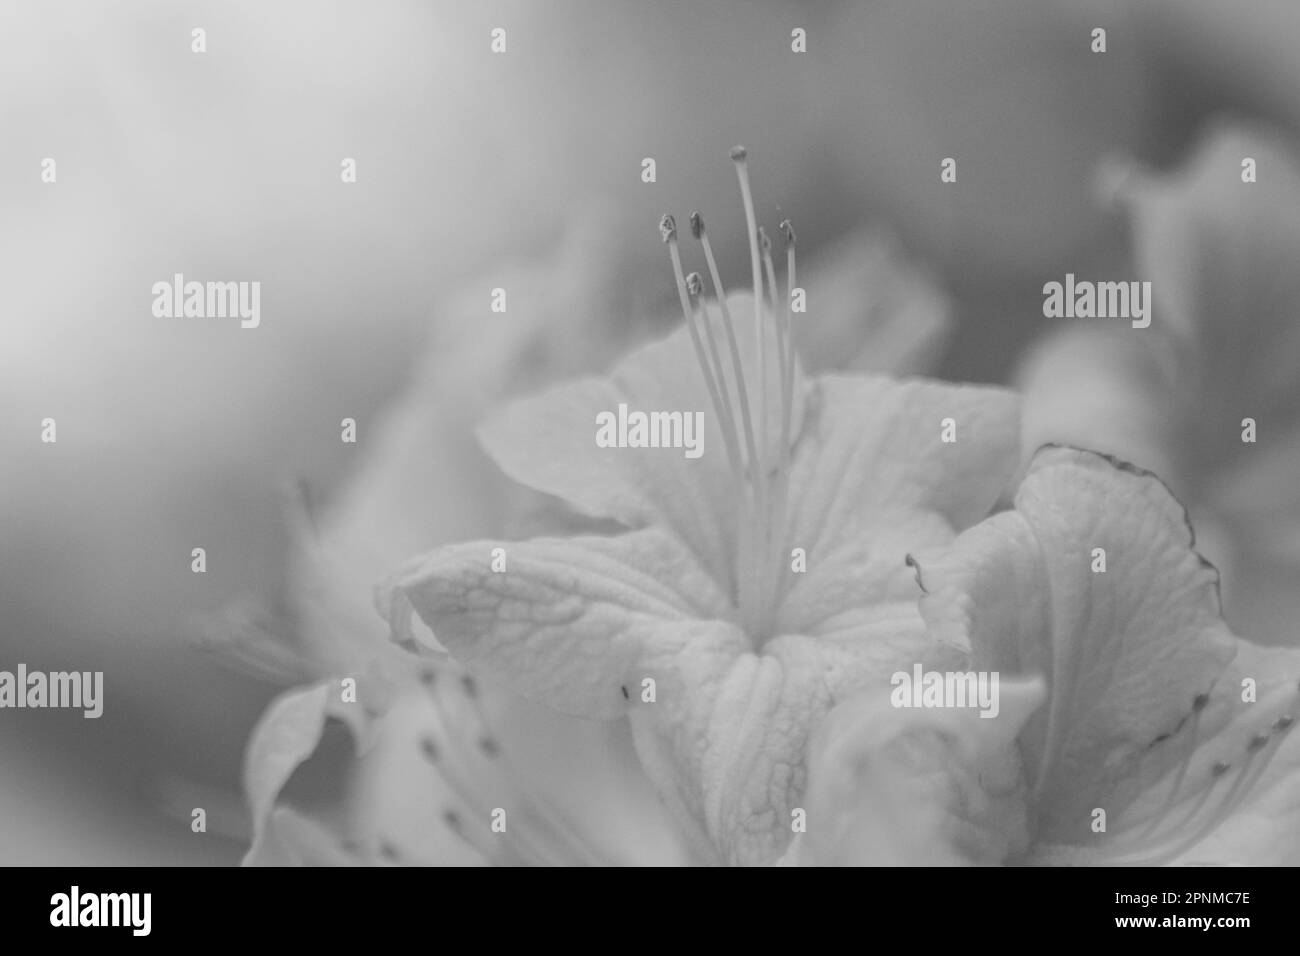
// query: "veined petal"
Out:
[727,733]
[548,441]
[934,786]
[873,479]
[565,623]
[1144,704]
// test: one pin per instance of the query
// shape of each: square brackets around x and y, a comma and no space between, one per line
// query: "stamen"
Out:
[719,293]
[695,286]
[739,157]
[787,397]
[749,558]
[782,582]
[769,272]
[717,389]
[763,476]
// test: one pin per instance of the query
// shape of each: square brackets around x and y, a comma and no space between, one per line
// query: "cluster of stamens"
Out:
[761,477]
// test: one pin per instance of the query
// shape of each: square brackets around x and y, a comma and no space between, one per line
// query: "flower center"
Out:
[761,473]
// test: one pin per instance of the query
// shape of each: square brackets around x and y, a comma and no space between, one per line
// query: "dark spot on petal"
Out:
[1200,701]
[388,851]
[1257,743]
[1284,722]
[489,746]
[430,748]
[471,688]
[451,818]
[626,695]
[1219,769]
[429,677]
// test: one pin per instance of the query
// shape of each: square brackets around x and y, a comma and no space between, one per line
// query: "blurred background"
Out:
[176,434]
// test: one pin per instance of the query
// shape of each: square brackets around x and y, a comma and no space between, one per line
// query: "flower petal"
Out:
[932,786]
[726,736]
[290,838]
[286,735]
[564,624]
[547,441]
[1137,656]
[873,480]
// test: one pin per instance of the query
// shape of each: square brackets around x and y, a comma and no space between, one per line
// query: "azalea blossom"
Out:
[419,763]
[1135,728]
[1220,254]
[427,747]
[723,604]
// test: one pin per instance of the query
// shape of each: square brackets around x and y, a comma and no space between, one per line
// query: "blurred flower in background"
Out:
[1208,397]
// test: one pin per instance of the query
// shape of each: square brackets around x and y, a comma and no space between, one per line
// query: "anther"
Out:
[695,284]
[697,225]
[787,231]
[667,228]
[738,153]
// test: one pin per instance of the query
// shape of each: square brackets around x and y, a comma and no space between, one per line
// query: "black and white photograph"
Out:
[650,433]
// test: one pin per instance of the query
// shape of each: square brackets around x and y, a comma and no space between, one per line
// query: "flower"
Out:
[430,749]
[1135,728]
[1223,346]
[687,608]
